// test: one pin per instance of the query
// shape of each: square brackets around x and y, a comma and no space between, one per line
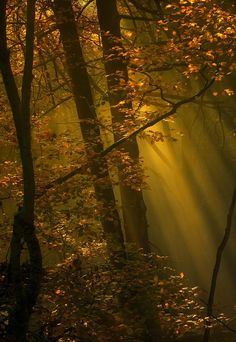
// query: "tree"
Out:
[88,123]
[23,228]
[133,206]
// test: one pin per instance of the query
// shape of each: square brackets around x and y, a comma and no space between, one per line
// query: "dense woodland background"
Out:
[118,170]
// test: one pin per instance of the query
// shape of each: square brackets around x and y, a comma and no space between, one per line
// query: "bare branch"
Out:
[84,7]
[165,99]
[4,198]
[65,99]
[129,17]
[144,9]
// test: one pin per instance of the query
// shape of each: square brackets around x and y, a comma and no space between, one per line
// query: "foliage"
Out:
[85,298]
[167,57]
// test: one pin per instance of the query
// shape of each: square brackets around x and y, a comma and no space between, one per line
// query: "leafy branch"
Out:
[151,123]
[173,110]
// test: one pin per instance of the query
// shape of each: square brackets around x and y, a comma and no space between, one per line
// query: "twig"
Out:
[217,318]
[216,269]
[84,7]
[56,105]
[4,198]
[145,9]
[128,17]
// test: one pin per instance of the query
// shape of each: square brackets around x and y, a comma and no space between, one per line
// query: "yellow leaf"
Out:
[59,292]
[155,279]
[229,92]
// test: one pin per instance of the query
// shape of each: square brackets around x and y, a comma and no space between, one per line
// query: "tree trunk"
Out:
[88,122]
[134,209]
[25,294]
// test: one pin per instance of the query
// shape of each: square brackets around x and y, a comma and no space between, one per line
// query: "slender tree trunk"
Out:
[134,209]
[23,227]
[216,269]
[88,122]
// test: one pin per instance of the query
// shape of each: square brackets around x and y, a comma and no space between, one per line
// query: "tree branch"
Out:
[144,9]
[129,17]
[119,142]
[28,66]
[6,70]
[159,118]
[56,105]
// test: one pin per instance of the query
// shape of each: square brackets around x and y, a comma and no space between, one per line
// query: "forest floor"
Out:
[215,336]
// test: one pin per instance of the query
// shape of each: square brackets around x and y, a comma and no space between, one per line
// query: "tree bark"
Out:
[81,88]
[25,295]
[133,206]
